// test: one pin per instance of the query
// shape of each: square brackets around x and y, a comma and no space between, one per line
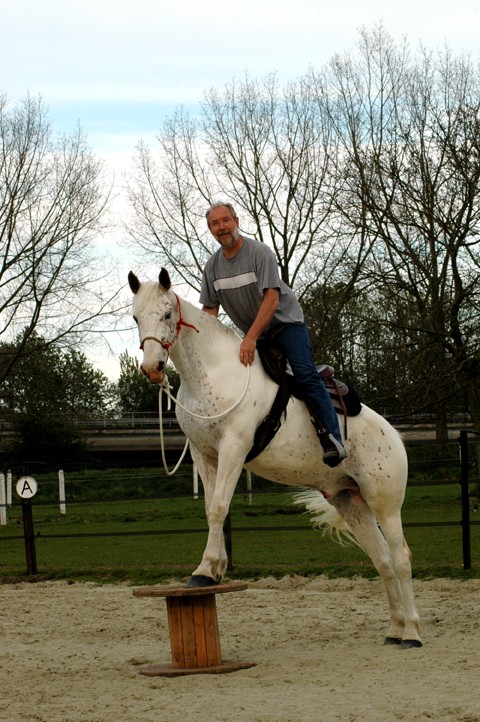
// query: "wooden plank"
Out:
[211,631]
[188,633]
[166,670]
[189,591]
[175,628]
[201,642]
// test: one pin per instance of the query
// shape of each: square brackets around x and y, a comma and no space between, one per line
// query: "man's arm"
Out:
[212,311]
[271,298]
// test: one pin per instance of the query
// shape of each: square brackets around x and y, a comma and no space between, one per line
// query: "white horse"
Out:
[221,403]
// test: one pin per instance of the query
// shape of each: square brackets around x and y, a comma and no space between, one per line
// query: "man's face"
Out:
[223,227]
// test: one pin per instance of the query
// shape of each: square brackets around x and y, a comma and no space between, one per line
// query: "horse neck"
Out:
[196,355]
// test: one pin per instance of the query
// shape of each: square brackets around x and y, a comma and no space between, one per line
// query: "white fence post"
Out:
[195,482]
[9,488]
[249,486]
[3,501]
[61,492]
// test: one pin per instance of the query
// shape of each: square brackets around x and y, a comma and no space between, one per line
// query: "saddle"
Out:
[344,399]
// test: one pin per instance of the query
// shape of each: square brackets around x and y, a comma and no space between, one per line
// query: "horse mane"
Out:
[216,322]
[150,291]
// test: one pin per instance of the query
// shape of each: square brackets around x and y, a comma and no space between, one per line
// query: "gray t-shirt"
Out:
[237,284]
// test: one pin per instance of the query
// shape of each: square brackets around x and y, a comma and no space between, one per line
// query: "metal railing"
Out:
[133,419]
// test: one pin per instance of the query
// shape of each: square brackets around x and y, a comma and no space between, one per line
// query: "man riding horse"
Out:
[242,277]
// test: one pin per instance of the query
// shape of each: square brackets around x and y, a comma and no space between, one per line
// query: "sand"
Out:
[72,653]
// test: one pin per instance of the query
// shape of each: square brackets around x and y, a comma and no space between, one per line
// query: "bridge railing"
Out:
[149,419]
[131,420]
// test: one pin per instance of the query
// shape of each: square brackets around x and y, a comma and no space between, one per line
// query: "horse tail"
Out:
[325,517]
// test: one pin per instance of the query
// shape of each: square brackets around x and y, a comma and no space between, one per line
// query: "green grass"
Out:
[67,546]
[75,545]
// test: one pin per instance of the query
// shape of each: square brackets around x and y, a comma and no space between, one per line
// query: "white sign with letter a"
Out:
[26,487]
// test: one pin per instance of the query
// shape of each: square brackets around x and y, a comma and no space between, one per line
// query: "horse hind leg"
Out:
[391,527]
[361,520]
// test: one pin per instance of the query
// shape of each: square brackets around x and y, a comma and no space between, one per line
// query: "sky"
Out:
[119,68]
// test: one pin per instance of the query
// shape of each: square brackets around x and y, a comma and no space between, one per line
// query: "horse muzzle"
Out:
[154,375]
[153,367]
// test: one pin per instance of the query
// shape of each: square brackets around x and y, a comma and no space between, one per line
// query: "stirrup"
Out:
[333,451]
[335,454]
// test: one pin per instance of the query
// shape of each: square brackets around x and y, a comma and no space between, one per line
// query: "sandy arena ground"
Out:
[72,653]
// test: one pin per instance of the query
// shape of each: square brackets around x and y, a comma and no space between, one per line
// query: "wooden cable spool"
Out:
[193,629]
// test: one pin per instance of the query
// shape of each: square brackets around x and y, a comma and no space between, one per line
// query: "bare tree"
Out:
[364,177]
[264,149]
[52,200]
[410,134]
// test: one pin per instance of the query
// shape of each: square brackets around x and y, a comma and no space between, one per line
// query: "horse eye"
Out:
[168,315]
[136,320]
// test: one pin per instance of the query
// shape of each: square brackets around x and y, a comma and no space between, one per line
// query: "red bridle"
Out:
[166,344]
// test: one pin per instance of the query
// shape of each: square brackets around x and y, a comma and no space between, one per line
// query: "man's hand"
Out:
[247,351]
[265,314]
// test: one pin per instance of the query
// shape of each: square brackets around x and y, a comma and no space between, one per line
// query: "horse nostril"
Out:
[143,370]
[161,366]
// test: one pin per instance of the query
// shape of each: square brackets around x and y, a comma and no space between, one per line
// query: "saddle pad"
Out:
[344,399]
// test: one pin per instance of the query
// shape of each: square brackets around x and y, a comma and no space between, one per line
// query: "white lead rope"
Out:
[166,389]
[162,441]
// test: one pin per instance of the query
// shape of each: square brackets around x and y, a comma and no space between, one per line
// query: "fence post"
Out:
[61,492]
[249,486]
[467,561]
[30,552]
[195,482]
[9,488]
[3,501]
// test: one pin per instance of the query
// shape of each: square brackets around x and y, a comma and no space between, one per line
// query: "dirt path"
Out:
[72,653]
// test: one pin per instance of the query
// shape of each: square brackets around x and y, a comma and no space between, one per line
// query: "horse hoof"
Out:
[200,580]
[392,640]
[411,644]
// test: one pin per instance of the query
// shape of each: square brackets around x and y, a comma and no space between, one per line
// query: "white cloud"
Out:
[119,50]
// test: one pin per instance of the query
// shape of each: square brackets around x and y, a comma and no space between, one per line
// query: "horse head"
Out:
[155,310]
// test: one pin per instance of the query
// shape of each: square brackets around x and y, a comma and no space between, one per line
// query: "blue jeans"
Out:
[294,341]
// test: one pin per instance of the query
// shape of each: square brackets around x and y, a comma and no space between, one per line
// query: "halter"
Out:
[166,344]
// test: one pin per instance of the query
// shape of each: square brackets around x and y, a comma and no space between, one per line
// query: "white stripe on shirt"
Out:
[244,279]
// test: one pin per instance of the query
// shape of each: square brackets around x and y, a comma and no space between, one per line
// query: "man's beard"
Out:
[233,238]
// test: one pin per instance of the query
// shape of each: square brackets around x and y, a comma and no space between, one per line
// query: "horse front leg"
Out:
[207,469]
[214,561]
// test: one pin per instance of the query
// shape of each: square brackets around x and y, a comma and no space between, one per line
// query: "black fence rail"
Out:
[465,522]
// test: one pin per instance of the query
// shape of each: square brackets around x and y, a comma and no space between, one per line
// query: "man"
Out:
[242,277]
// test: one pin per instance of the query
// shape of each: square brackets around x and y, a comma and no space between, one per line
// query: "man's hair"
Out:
[219,204]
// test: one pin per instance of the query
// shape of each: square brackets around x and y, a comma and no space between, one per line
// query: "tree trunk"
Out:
[441,428]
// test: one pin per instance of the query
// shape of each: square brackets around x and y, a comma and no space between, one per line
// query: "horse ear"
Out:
[133,282]
[164,280]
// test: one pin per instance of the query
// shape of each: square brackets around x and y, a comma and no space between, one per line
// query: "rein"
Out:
[166,389]
[215,416]
[162,440]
